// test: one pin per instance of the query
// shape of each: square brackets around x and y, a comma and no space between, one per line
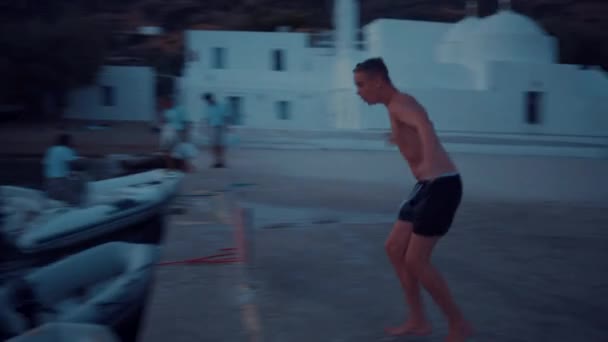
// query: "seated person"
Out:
[174,124]
[183,153]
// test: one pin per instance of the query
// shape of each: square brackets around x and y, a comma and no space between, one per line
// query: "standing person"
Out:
[217,119]
[427,214]
[59,162]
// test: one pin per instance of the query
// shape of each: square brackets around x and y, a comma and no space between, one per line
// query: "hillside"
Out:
[581,25]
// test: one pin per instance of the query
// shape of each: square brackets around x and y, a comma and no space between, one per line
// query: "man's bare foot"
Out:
[460,332]
[410,328]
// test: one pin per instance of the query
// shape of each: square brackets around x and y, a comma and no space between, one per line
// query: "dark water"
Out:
[28,173]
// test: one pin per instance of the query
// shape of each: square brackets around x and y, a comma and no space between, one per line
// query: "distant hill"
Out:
[580,25]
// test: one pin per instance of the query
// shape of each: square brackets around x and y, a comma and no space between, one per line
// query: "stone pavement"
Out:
[200,301]
[523,269]
[515,279]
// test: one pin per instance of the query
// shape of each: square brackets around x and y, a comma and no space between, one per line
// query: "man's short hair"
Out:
[373,66]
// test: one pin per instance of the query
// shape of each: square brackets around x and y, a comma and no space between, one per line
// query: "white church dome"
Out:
[508,36]
[461,30]
[509,23]
[449,49]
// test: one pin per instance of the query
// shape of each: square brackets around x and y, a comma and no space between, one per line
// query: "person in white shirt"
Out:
[59,162]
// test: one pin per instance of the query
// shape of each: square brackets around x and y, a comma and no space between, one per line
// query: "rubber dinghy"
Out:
[103,285]
[32,223]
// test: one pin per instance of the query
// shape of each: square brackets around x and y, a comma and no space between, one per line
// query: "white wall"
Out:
[258,106]
[306,112]
[575,100]
[320,61]
[133,89]
[428,74]
[502,112]
[404,41]
[247,50]
[558,78]
[486,95]
[310,73]
[572,114]
[409,49]
[514,48]
[450,48]
[464,110]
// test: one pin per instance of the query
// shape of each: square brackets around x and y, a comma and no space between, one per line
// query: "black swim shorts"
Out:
[432,204]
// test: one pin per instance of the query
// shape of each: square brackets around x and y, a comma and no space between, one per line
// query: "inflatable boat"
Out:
[103,285]
[32,223]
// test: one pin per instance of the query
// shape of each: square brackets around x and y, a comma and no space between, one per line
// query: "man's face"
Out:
[367,87]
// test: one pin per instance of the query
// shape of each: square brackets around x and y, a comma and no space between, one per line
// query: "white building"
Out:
[498,74]
[477,75]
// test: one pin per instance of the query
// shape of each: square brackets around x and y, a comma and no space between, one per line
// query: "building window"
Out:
[283,110]
[107,96]
[218,58]
[235,107]
[533,107]
[278,60]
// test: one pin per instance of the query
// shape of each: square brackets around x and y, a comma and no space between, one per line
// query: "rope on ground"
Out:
[228,255]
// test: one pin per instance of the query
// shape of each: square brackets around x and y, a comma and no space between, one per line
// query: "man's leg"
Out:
[418,263]
[396,248]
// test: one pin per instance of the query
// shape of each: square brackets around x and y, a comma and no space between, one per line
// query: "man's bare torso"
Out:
[408,140]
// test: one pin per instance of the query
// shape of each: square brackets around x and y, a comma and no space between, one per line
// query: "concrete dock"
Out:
[526,256]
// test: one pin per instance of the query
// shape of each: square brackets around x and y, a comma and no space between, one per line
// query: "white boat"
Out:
[104,285]
[33,223]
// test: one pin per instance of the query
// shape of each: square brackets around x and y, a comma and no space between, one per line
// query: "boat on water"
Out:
[105,285]
[33,224]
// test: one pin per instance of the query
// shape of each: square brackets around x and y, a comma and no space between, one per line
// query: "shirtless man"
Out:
[426,215]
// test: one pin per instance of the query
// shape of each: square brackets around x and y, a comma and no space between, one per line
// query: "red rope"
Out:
[239,251]
[210,259]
